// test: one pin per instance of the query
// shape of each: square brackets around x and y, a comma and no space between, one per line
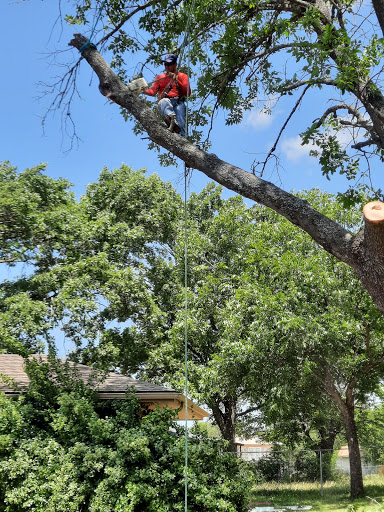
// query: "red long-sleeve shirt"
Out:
[162,81]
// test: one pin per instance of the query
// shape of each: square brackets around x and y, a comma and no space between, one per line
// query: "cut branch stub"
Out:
[371,269]
[374,212]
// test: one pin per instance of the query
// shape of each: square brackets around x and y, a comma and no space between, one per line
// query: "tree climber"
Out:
[172,88]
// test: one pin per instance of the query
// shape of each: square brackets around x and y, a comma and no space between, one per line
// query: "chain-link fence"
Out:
[272,464]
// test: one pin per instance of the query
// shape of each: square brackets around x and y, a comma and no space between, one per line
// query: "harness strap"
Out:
[169,86]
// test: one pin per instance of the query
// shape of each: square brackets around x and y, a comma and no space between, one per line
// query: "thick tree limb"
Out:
[378,5]
[365,143]
[369,246]
[353,250]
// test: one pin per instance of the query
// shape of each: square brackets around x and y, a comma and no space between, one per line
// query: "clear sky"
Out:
[28,37]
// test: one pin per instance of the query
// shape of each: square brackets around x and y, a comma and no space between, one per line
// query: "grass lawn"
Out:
[335,495]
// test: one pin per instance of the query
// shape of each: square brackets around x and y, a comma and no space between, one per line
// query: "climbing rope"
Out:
[186,338]
[186,44]
[89,42]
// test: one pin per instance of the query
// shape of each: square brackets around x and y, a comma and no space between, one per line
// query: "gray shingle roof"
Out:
[12,365]
[113,386]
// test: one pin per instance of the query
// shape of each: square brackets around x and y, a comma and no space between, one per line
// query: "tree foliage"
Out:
[363,252]
[272,319]
[370,422]
[81,265]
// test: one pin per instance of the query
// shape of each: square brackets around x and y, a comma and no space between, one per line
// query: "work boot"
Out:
[172,123]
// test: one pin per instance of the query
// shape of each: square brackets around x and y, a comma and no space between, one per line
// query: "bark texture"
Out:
[226,421]
[347,409]
[378,5]
[368,248]
[363,252]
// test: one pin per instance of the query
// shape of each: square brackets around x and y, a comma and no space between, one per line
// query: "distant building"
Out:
[252,449]
[342,463]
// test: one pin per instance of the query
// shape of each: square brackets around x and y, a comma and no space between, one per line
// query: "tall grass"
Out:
[335,495]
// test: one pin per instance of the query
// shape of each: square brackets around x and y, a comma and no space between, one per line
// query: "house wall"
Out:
[253,452]
[342,465]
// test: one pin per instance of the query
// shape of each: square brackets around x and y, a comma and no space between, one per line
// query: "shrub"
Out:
[272,466]
[75,453]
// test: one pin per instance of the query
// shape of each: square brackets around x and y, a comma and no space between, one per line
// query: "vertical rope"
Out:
[186,43]
[186,337]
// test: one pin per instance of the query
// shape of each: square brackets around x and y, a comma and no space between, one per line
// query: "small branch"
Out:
[10,261]
[365,143]
[271,151]
[373,501]
[124,20]
[301,83]
[258,56]
[362,123]
[248,411]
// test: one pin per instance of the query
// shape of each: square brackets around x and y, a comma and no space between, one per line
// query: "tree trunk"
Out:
[347,410]
[356,474]
[369,248]
[378,5]
[226,422]
[363,252]
[326,446]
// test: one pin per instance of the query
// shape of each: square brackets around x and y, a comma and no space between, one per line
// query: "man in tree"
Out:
[171,87]
[233,41]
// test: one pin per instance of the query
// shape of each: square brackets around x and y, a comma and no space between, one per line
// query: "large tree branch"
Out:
[360,145]
[378,5]
[330,235]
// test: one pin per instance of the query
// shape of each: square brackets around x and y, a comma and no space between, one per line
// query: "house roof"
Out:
[343,452]
[113,386]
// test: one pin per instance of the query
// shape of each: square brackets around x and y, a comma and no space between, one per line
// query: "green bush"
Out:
[300,466]
[271,467]
[62,450]
[307,467]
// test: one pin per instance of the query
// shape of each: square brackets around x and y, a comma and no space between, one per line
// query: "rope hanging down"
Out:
[186,43]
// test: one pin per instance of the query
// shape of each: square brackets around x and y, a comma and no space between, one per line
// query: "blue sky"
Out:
[29,35]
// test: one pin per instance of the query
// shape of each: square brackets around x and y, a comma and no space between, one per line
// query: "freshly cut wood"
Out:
[374,212]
